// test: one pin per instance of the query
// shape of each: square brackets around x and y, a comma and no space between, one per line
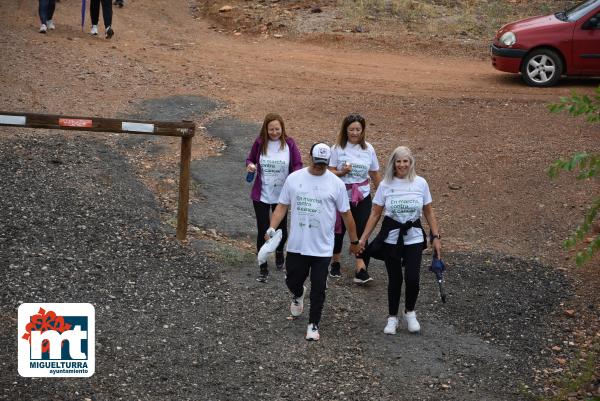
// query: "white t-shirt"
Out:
[313,201]
[403,201]
[362,161]
[274,169]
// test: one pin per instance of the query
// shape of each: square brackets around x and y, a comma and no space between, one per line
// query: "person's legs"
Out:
[107,12]
[412,255]
[297,270]
[94,11]
[318,285]
[361,213]
[335,270]
[394,271]
[284,231]
[262,224]
[279,258]
[51,8]
[43,11]
[338,244]
[261,210]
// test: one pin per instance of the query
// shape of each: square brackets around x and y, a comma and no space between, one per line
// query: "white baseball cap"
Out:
[320,153]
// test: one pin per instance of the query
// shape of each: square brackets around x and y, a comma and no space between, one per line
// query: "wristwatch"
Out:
[354,242]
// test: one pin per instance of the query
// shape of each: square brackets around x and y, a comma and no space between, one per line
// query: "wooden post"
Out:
[184,187]
[186,130]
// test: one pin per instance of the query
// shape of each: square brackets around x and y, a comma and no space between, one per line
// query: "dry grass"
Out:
[471,18]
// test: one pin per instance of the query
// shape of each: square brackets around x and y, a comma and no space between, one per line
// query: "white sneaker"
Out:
[297,306]
[43,28]
[411,322]
[51,25]
[391,326]
[94,30]
[312,332]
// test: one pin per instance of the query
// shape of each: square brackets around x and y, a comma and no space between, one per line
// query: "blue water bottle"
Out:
[250,176]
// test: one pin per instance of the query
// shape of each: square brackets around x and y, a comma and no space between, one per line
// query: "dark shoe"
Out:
[279,260]
[109,32]
[264,273]
[335,270]
[362,277]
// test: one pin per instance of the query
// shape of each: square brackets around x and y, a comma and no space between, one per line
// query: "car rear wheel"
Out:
[542,68]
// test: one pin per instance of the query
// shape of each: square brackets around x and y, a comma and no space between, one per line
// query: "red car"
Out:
[544,48]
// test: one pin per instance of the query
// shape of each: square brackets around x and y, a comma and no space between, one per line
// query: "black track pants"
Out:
[106,12]
[298,267]
[411,261]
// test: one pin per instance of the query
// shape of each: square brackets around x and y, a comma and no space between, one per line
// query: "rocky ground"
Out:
[174,324]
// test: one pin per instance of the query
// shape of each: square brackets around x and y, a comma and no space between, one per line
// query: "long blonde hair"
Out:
[390,167]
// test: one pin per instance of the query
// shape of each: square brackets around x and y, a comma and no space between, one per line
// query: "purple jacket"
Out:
[254,158]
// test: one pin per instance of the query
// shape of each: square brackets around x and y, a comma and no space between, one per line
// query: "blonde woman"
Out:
[402,197]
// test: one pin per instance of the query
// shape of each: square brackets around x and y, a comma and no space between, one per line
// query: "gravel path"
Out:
[174,324]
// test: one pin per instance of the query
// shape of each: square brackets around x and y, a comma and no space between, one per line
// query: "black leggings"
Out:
[46,10]
[298,267]
[360,213]
[263,218]
[411,260]
[106,12]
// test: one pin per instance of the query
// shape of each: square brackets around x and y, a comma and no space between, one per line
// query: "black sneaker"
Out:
[334,271]
[264,273]
[362,277]
[279,260]
[109,33]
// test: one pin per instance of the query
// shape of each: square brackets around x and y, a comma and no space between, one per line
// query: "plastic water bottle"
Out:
[250,176]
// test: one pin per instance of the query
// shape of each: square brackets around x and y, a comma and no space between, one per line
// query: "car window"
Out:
[590,25]
[582,9]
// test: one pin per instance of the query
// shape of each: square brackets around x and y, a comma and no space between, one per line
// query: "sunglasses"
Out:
[355,117]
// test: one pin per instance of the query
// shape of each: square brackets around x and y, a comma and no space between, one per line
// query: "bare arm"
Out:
[435,230]
[351,227]
[375,177]
[374,217]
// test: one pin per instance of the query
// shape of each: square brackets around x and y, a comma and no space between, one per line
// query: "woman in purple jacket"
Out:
[273,156]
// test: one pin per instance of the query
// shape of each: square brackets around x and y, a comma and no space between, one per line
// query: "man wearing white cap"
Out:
[313,195]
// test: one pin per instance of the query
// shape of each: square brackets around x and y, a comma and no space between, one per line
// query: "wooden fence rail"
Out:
[185,129]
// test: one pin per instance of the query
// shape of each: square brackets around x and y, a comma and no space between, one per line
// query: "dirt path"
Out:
[471,128]
[458,115]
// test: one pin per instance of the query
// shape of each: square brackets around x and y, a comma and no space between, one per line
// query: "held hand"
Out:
[251,168]
[361,247]
[269,234]
[355,249]
[346,168]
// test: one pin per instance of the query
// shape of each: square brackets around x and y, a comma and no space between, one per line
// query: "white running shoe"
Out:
[312,332]
[411,322]
[43,28]
[297,306]
[391,326]
[94,30]
[51,25]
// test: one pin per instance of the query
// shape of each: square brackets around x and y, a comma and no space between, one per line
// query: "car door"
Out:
[586,45]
